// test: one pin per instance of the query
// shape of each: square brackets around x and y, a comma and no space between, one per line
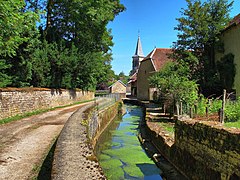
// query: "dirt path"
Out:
[23,143]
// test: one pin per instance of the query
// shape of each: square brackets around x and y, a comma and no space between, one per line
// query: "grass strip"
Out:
[232,124]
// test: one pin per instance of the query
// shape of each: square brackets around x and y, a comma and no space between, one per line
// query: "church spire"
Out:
[139,51]
[137,57]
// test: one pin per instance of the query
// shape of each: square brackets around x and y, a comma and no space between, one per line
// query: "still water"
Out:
[119,150]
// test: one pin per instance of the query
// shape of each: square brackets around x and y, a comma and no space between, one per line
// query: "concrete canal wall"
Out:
[74,157]
[202,150]
[15,101]
[98,121]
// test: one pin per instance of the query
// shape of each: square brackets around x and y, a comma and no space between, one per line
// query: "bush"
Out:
[213,105]
[201,105]
[232,111]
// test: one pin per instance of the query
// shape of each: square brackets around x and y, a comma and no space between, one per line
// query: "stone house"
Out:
[152,63]
[230,37]
[118,87]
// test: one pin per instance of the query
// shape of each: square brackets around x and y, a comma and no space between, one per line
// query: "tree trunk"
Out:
[49,14]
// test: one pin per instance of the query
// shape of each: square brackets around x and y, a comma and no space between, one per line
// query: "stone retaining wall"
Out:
[14,101]
[208,150]
[100,120]
[202,150]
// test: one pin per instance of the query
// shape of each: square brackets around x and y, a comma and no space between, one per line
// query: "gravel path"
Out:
[74,157]
[24,143]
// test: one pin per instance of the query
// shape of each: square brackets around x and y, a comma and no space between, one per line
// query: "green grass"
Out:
[28,114]
[169,127]
[232,124]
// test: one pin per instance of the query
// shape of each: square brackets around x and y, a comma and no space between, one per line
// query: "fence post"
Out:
[181,108]
[191,112]
[222,114]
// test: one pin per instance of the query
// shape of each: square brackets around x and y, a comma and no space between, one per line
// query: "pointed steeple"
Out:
[137,57]
[139,51]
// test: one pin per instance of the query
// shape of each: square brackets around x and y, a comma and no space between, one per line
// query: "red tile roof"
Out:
[159,57]
[133,78]
[234,22]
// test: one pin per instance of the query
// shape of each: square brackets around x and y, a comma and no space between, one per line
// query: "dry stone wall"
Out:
[202,150]
[208,150]
[15,101]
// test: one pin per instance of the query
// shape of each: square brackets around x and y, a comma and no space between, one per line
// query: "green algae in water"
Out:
[111,163]
[133,171]
[112,168]
[115,174]
[104,157]
[122,156]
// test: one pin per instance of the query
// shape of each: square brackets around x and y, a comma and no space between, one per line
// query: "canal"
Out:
[120,153]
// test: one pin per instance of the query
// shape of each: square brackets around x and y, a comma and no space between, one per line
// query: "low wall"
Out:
[98,121]
[209,150]
[202,150]
[74,157]
[14,101]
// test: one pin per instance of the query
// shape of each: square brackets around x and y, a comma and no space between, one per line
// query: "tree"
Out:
[79,39]
[198,31]
[124,78]
[173,81]
[17,33]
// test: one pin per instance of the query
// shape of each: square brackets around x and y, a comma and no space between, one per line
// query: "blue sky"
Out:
[155,19]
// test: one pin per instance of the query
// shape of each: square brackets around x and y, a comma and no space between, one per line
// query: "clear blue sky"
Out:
[155,19]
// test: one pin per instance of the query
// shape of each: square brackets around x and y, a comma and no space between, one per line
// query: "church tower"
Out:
[137,57]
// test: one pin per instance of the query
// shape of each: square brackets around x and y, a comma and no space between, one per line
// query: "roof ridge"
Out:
[163,48]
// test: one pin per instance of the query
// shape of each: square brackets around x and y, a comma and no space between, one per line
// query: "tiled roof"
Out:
[235,21]
[116,82]
[133,78]
[159,57]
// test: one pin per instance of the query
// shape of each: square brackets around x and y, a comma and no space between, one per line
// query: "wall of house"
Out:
[145,71]
[118,88]
[14,101]
[202,150]
[231,38]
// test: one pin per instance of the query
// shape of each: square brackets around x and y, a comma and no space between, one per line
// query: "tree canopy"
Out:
[198,31]
[173,81]
[70,49]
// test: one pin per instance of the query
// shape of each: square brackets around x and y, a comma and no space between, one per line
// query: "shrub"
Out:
[213,105]
[232,111]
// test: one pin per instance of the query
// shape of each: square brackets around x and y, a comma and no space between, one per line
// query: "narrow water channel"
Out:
[120,153]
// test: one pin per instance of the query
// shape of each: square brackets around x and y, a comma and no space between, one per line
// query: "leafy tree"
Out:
[17,35]
[5,79]
[227,71]
[80,56]
[198,31]
[124,78]
[173,81]
[14,25]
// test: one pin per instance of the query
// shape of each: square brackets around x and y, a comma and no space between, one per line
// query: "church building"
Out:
[136,60]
